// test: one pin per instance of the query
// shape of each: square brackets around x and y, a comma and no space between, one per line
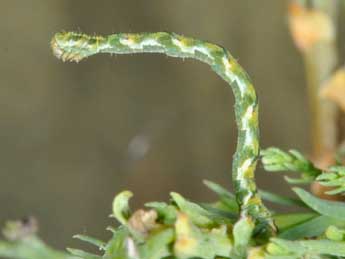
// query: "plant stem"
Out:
[320,61]
[323,126]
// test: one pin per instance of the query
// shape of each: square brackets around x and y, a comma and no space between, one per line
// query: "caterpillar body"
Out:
[70,46]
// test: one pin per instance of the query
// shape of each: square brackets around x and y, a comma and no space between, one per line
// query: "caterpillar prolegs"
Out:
[70,46]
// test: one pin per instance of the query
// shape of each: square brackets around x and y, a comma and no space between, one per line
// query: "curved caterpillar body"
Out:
[70,46]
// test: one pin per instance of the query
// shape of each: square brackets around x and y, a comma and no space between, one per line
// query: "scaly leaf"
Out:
[192,242]
[121,246]
[334,233]
[226,197]
[166,213]
[121,209]
[311,228]
[157,246]
[279,199]
[82,254]
[304,248]
[91,240]
[243,230]
[195,212]
[328,208]
[275,160]
[285,221]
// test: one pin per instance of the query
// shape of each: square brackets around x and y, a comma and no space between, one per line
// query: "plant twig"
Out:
[313,25]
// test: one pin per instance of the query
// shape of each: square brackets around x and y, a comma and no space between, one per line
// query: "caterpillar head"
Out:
[71,46]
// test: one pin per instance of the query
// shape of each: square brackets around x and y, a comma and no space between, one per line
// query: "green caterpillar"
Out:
[70,46]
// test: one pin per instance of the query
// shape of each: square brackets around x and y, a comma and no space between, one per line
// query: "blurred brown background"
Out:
[74,135]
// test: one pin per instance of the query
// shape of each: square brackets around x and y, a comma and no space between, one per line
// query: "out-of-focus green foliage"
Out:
[182,229]
[22,242]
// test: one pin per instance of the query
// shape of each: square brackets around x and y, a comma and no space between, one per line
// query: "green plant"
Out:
[237,225]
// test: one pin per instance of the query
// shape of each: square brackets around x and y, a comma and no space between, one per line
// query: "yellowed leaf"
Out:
[256,253]
[334,88]
[309,26]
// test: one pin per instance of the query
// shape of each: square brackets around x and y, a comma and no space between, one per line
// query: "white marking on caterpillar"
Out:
[127,41]
[244,167]
[241,177]
[246,199]
[192,49]
[226,63]
[203,50]
[133,45]
[241,85]
[150,42]
[247,117]
[227,69]
[248,139]
[104,46]
[178,43]
[183,47]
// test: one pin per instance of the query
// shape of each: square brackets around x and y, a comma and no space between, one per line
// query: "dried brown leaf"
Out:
[334,88]
[309,26]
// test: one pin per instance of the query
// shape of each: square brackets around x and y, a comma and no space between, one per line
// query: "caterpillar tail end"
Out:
[70,46]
